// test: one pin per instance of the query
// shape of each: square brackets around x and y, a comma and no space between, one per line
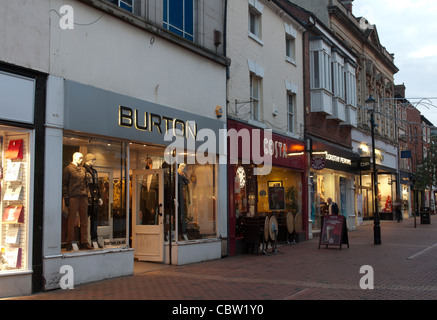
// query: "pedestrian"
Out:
[397,205]
[332,207]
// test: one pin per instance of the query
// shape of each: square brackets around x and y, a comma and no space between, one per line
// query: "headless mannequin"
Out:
[94,198]
[183,197]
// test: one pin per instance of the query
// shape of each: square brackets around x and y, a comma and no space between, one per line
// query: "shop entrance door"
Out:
[147,211]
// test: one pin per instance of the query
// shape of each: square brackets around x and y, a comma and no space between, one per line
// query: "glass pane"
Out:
[104,164]
[189,17]
[197,202]
[176,13]
[148,186]
[316,69]
[14,198]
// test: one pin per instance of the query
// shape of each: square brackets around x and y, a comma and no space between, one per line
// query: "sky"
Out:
[408,29]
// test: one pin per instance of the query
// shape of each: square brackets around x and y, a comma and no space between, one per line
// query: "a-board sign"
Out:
[334,231]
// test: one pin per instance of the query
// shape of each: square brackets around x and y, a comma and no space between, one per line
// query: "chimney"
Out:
[347,4]
[400,90]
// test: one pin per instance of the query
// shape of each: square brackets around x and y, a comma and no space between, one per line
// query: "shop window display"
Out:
[15,198]
[197,216]
[94,207]
[256,197]
[193,185]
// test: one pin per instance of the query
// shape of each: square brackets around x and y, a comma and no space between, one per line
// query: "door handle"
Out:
[159,209]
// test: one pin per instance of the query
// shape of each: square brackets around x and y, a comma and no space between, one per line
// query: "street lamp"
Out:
[370,102]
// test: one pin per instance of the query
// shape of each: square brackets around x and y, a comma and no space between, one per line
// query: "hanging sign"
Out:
[318,161]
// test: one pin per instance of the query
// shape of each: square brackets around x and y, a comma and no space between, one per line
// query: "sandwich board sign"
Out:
[334,231]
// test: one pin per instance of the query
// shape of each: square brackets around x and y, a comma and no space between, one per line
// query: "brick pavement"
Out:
[404,265]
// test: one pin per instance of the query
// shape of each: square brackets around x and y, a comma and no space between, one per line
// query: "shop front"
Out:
[386,166]
[21,140]
[406,194]
[332,175]
[153,196]
[256,194]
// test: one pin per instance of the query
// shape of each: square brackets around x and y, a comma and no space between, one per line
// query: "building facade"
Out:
[374,72]
[138,114]
[331,113]
[265,95]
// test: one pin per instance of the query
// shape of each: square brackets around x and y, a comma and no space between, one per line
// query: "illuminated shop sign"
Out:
[318,159]
[338,159]
[275,148]
[148,121]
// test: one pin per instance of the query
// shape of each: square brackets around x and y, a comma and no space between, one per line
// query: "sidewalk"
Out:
[404,266]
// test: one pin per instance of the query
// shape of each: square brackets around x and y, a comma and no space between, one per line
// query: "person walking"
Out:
[397,205]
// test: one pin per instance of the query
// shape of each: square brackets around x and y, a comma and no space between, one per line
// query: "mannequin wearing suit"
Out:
[149,198]
[183,197]
[94,198]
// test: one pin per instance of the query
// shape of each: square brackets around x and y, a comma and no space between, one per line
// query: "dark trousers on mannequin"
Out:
[78,204]
[93,211]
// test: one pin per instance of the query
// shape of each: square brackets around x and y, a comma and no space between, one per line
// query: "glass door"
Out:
[147,213]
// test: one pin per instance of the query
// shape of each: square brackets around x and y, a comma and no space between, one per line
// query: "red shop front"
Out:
[266,176]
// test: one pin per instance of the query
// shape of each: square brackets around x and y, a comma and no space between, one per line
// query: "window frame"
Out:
[320,66]
[255,20]
[291,98]
[185,32]
[255,97]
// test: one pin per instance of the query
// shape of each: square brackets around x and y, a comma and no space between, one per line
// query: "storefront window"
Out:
[197,216]
[324,185]
[94,192]
[386,194]
[279,192]
[195,194]
[15,204]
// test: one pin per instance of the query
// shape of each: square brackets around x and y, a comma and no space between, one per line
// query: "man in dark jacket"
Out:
[332,207]
[74,192]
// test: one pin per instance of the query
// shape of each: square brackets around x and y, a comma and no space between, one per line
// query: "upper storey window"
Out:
[179,17]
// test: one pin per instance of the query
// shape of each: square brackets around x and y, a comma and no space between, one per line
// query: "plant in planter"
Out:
[291,200]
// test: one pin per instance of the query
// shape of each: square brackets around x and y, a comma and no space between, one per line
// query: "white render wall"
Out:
[110,54]
[24,33]
[270,55]
[389,151]
[116,56]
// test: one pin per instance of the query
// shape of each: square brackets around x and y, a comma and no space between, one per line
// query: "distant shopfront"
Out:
[277,192]
[332,175]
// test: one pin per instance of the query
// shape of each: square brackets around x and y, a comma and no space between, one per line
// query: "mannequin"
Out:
[94,198]
[149,197]
[183,197]
[74,192]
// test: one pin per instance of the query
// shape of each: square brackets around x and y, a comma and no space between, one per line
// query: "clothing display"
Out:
[94,198]
[183,196]
[74,192]
[74,182]
[149,200]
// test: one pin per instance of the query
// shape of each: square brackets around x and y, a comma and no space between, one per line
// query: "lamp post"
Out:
[370,102]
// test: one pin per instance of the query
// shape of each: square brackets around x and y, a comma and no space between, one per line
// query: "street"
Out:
[404,268]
